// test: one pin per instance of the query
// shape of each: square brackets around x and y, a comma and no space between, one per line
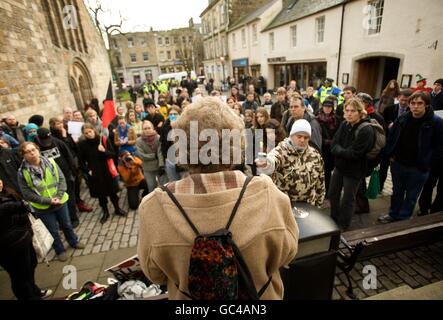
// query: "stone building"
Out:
[51,56]
[144,56]
[218,16]
[135,57]
[180,49]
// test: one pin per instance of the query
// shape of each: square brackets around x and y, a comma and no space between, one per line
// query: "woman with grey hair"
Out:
[263,227]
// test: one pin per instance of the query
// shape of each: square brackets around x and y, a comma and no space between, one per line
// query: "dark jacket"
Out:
[155,120]
[165,144]
[59,151]
[437,101]
[390,114]
[350,151]
[101,183]
[9,164]
[69,142]
[250,105]
[278,109]
[430,140]
[15,228]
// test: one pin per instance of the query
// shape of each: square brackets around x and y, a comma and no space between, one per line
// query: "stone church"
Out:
[51,57]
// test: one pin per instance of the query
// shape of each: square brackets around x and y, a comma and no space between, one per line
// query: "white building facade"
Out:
[246,43]
[364,43]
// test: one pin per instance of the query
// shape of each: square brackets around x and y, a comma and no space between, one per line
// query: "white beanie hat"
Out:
[301,126]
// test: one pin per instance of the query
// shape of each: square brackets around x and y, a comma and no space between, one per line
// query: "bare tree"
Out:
[106,31]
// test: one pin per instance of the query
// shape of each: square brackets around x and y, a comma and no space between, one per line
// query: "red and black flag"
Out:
[108,108]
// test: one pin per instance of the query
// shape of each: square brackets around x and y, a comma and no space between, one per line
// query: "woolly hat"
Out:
[301,126]
[439,81]
[36,119]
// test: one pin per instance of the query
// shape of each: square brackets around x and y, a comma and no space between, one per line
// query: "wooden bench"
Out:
[381,239]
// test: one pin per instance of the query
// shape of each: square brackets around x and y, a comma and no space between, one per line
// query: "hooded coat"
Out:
[100,183]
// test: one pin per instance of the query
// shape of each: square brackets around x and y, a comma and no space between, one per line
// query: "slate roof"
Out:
[252,16]
[301,9]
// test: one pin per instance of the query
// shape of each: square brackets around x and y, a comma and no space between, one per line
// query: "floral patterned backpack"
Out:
[217,270]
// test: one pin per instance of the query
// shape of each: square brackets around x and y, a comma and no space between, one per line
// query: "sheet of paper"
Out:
[75,129]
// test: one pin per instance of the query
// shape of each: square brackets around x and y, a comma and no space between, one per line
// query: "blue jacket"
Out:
[430,140]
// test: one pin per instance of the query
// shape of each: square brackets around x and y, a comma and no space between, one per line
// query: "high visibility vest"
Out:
[163,88]
[324,92]
[48,187]
[149,88]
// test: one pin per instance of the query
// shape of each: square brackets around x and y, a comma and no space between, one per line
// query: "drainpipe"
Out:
[341,39]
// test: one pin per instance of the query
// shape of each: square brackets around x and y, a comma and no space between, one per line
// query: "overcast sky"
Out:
[140,15]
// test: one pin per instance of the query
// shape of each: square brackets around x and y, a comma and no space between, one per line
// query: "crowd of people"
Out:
[314,146]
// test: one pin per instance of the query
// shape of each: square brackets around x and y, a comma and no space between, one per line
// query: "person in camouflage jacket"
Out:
[296,168]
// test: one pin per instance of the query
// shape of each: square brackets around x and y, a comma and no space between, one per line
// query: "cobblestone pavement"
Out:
[117,233]
[416,267]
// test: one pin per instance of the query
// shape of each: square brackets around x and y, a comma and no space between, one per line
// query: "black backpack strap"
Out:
[185,215]
[237,204]
[262,290]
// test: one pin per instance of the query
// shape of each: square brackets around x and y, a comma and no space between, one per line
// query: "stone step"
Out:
[433,291]
[394,294]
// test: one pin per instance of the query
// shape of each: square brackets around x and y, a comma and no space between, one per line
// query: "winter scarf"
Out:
[328,120]
[150,140]
[370,110]
[37,174]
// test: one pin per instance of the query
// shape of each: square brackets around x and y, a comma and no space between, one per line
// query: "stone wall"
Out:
[35,73]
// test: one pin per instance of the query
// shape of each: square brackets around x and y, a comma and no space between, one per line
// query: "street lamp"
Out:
[222,60]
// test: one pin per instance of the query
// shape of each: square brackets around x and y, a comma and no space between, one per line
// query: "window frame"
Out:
[254,34]
[293,36]
[378,18]
[271,41]
[320,27]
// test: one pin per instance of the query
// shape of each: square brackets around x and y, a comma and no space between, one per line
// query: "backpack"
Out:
[217,270]
[380,138]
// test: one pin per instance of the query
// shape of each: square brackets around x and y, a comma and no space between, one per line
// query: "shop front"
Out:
[310,74]
[240,67]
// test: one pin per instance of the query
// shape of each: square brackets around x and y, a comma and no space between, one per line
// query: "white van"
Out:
[178,76]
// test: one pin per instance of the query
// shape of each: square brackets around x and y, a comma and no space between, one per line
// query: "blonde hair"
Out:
[90,112]
[357,104]
[211,113]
